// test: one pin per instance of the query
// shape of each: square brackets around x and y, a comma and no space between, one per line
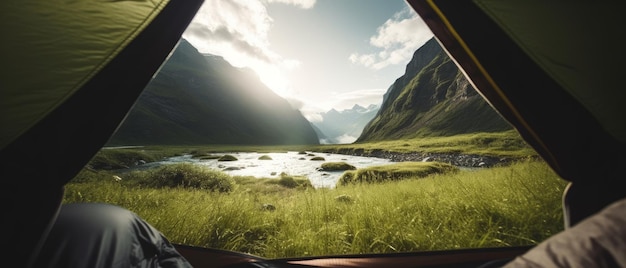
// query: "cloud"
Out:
[345,139]
[313,113]
[397,39]
[229,28]
[238,31]
[306,4]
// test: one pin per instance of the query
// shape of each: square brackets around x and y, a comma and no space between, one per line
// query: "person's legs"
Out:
[103,235]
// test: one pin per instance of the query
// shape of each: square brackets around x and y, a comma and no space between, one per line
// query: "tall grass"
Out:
[504,206]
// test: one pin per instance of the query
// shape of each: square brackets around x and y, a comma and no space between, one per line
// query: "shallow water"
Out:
[291,163]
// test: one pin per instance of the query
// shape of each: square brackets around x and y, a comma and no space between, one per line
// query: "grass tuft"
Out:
[393,172]
[184,175]
[337,166]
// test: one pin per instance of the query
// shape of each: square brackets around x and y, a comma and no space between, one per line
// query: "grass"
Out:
[502,144]
[336,166]
[183,175]
[514,205]
[395,171]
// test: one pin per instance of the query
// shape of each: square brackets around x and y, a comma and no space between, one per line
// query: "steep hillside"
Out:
[202,99]
[432,98]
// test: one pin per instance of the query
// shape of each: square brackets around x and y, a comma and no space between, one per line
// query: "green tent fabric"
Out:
[552,69]
[582,55]
[57,50]
[71,70]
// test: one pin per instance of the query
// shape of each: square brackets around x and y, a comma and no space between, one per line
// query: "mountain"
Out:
[344,126]
[202,99]
[432,98]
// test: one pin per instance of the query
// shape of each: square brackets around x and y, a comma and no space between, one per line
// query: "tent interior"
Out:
[551,69]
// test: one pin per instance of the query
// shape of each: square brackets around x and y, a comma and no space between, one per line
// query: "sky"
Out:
[318,54]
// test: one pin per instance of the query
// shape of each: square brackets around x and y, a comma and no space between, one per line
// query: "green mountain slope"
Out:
[432,98]
[202,99]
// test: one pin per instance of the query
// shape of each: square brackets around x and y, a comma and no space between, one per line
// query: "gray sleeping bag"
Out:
[102,235]
[598,241]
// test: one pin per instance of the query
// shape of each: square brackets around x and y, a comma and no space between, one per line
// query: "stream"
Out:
[291,163]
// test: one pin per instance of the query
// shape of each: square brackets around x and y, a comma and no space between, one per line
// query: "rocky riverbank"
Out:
[457,159]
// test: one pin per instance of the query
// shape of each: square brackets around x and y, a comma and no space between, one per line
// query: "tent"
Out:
[71,70]
[553,71]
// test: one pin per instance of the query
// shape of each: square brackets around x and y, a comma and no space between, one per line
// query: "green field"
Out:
[513,205]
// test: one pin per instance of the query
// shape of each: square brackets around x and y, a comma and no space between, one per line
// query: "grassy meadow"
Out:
[518,204]
[503,144]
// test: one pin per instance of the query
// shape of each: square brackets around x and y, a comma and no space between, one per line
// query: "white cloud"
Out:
[365,60]
[238,31]
[306,4]
[397,39]
[240,27]
[313,113]
[345,139]
[324,141]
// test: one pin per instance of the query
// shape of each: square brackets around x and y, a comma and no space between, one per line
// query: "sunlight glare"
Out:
[274,78]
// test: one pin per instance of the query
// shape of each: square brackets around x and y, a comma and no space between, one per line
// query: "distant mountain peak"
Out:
[372,106]
[360,109]
[346,125]
[331,111]
[357,107]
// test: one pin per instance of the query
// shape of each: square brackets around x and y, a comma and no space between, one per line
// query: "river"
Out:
[291,163]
